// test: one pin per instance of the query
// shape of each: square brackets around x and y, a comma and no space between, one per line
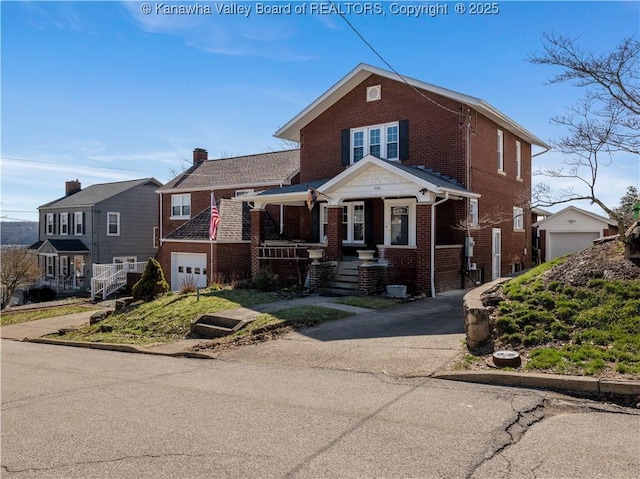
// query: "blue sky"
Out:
[101,92]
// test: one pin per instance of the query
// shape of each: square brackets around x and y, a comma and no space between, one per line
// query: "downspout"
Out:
[281,214]
[433,242]
[160,232]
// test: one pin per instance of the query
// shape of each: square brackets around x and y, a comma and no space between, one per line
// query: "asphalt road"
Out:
[79,413]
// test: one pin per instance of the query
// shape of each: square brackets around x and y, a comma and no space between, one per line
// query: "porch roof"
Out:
[63,245]
[370,177]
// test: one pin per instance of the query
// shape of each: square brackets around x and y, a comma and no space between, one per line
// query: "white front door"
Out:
[496,247]
[188,269]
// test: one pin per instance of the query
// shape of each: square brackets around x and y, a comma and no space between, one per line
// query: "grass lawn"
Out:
[564,329]
[25,316]
[369,302]
[167,319]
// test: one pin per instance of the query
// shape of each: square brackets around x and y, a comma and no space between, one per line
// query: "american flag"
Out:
[215,219]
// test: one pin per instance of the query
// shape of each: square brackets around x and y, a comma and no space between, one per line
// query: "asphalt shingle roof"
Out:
[235,224]
[94,194]
[262,169]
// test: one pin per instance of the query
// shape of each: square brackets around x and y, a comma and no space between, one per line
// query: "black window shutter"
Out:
[346,147]
[72,223]
[315,225]
[55,223]
[84,223]
[403,140]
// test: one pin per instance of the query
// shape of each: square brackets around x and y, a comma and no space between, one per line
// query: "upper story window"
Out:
[50,224]
[181,206]
[518,160]
[518,218]
[378,140]
[473,212]
[500,151]
[113,224]
[78,222]
[64,223]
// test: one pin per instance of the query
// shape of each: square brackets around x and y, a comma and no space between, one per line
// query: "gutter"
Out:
[433,242]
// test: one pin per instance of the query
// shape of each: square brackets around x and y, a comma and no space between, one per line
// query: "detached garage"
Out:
[570,230]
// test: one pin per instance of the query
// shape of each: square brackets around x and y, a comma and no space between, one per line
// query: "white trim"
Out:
[473,212]
[291,130]
[350,208]
[518,218]
[518,160]
[382,141]
[410,203]
[124,259]
[64,216]
[50,224]
[576,210]
[500,150]
[117,223]
[496,253]
[77,221]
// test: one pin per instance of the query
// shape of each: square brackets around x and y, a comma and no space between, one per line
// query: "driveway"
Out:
[413,339]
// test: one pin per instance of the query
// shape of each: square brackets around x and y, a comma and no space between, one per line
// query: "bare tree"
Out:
[604,122]
[18,266]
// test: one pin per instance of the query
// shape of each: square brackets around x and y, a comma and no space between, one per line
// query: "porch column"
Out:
[334,234]
[257,235]
[423,245]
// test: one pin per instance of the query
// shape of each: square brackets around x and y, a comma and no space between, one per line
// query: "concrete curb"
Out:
[123,348]
[545,381]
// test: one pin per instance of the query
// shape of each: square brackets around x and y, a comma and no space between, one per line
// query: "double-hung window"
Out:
[518,160]
[113,224]
[377,140]
[500,147]
[78,228]
[64,223]
[518,218]
[181,206]
[50,224]
[473,212]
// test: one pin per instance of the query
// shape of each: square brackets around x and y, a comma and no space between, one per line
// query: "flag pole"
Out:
[210,249]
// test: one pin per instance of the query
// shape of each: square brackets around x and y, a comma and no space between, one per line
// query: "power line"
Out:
[389,65]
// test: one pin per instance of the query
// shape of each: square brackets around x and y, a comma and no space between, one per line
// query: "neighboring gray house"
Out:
[108,224]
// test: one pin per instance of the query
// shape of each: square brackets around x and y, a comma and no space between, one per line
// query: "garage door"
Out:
[561,244]
[188,269]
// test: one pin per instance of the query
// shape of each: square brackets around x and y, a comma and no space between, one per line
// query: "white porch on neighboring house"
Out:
[63,263]
[109,278]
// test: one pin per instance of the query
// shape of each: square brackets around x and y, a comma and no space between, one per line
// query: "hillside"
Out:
[18,232]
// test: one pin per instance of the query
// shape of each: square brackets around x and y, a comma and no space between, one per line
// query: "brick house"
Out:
[434,182]
[186,253]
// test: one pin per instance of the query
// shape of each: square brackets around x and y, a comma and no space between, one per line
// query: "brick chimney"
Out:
[72,187]
[200,155]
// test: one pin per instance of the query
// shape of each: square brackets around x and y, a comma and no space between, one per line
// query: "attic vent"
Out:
[374,93]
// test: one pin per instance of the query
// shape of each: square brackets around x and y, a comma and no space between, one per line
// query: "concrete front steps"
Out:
[210,325]
[345,282]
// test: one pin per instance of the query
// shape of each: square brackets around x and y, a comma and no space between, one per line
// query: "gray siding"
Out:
[138,208]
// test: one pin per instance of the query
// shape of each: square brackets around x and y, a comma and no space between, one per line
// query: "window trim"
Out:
[388,206]
[182,205]
[78,222]
[117,223]
[518,218]
[500,149]
[366,141]
[64,222]
[473,213]
[50,224]
[518,160]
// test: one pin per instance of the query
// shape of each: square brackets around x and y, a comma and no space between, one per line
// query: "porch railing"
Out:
[109,278]
[294,251]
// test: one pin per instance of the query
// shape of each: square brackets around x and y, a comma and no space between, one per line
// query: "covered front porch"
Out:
[63,265]
[375,205]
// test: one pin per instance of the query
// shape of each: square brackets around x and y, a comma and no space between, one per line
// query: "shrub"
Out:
[188,284]
[41,294]
[265,280]
[152,283]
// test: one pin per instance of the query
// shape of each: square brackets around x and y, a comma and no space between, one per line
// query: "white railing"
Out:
[108,278]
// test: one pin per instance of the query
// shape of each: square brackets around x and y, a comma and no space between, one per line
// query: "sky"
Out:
[112,91]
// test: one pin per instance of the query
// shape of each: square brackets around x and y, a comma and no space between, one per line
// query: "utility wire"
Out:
[389,65]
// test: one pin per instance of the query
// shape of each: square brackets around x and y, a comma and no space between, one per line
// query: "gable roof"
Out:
[263,169]
[62,245]
[291,131]
[235,224]
[94,194]
[580,211]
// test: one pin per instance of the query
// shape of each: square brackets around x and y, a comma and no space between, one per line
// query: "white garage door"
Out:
[188,268]
[560,244]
